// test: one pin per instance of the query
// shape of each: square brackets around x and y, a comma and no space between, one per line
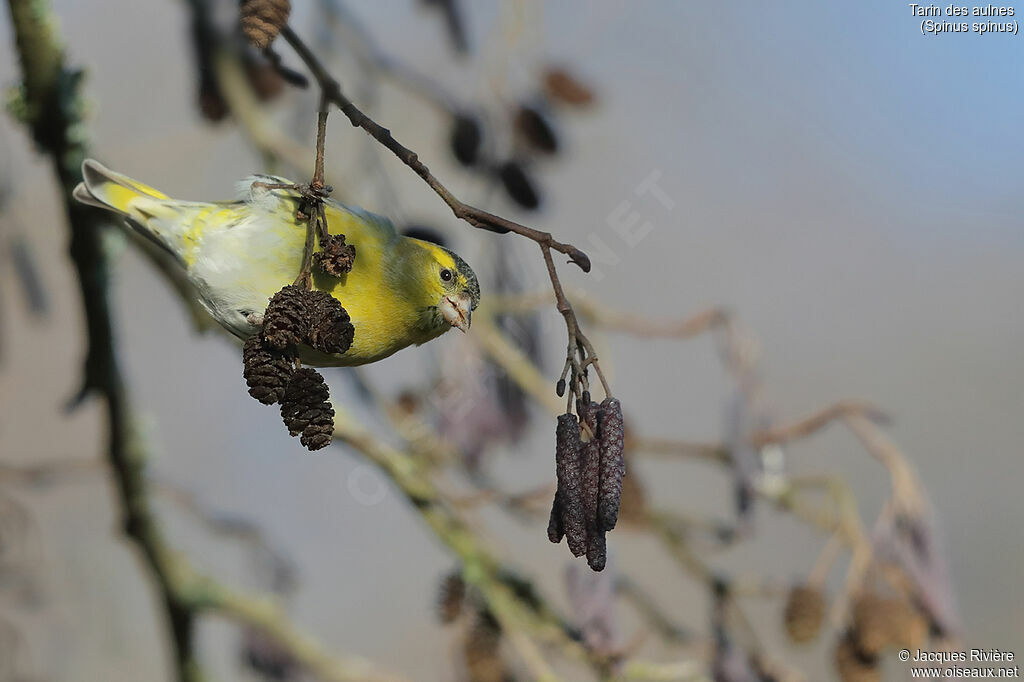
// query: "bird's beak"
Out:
[457,311]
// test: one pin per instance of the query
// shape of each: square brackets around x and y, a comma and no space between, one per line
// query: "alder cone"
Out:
[267,371]
[262,20]
[481,651]
[536,129]
[286,321]
[466,137]
[305,410]
[330,329]
[853,665]
[804,613]
[451,597]
[335,257]
[882,622]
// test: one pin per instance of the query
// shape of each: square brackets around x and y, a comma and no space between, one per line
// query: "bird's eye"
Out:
[446,275]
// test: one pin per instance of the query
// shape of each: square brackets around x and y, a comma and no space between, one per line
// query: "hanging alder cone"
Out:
[266,370]
[330,329]
[519,185]
[804,613]
[262,20]
[466,137]
[286,321]
[335,257]
[533,125]
[854,665]
[451,597]
[881,623]
[305,410]
[480,649]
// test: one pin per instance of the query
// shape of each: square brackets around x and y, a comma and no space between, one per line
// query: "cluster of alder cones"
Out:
[878,623]
[589,472]
[481,634]
[297,316]
[262,20]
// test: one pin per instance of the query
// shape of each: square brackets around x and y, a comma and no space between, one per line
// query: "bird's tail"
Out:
[104,188]
[150,212]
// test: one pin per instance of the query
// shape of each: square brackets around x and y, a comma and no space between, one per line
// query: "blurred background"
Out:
[849,188]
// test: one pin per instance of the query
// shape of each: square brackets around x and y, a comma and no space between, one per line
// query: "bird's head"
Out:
[448,285]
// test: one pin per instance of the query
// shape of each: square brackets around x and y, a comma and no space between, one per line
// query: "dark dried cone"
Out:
[555,530]
[804,613]
[451,597]
[570,488]
[854,665]
[305,409]
[286,321]
[212,105]
[519,185]
[266,81]
[466,138]
[262,20]
[563,86]
[330,329]
[536,129]
[481,651]
[613,463]
[335,257]
[266,371]
[882,622]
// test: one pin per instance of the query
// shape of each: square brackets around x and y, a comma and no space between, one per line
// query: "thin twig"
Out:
[818,421]
[580,351]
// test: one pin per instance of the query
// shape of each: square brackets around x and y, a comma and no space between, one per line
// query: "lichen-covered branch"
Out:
[51,108]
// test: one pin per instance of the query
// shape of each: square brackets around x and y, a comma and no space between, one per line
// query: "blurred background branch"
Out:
[432,458]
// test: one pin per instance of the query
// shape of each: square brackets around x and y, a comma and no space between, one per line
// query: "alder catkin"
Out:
[266,370]
[597,549]
[613,464]
[590,457]
[567,468]
[555,530]
[262,20]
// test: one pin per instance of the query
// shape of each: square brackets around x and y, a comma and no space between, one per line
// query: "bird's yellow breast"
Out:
[382,317]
